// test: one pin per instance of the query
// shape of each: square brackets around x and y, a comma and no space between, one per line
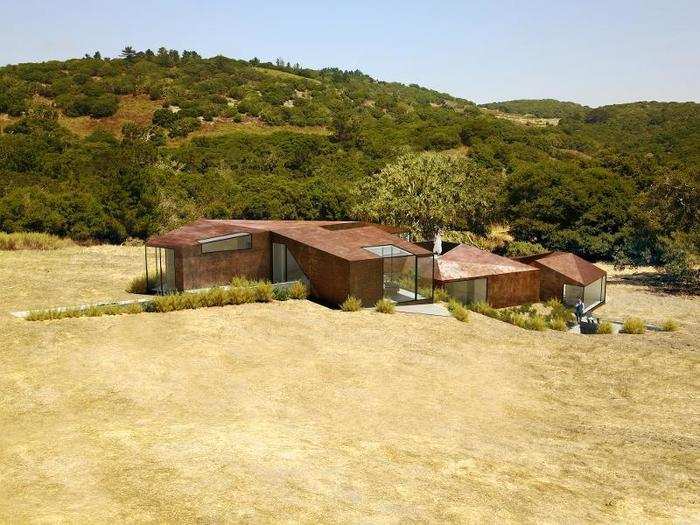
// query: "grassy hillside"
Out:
[98,148]
[294,412]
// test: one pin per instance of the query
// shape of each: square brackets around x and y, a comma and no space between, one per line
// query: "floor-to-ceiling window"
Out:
[405,277]
[285,267]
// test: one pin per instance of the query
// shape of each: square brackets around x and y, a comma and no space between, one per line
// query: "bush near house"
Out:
[605,327]
[241,291]
[385,306]
[139,285]
[440,295]
[298,290]
[460,313]
[633,325]
[669,325]
[351,304]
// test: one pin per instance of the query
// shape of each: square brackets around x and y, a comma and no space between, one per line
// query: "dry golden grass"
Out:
[289,411]
[524,120]
[138,109]
[249,126]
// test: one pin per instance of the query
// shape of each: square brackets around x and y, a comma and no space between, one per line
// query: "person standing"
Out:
[578,309]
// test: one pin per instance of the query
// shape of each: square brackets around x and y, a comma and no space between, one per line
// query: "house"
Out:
[471,275]
[335,258]
[568,277]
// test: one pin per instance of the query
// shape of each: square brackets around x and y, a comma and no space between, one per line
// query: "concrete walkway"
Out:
[424,309]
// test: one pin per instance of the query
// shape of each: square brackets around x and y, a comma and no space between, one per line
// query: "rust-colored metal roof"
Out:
[579,271]
[348,243]
[469,262]
[345,239]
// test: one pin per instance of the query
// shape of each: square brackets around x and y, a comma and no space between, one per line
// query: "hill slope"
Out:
[110,148]
[542,108]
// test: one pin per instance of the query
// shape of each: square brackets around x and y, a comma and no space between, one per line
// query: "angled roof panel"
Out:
[571,266]
[469,262]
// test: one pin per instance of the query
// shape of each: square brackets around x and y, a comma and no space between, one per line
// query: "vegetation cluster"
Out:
[616,182]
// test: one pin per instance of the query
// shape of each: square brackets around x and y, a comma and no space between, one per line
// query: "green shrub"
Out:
[605,327]
[669,325]
[536,322]
[526,309]
[385,306]
[460,313]
[559,311]
[523,248]
[32,241]
[281,294]
[440,295]
[264,292]
[558,324]
[633,325]
[519,320]
[453,304]
[482,307]
[241,295]
[553,303]
[298,290]
[217,296]
[351,304]
[133,308]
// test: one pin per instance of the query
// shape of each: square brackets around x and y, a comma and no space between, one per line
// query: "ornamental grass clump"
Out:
[264,292]
[461,313]
[440,295]
[483,308]
[385,306]
[558,324]
[604,327]
[139,285]
[351,304]
[669,325]
[633,325]
[536,322]
[298,290]
[280,294]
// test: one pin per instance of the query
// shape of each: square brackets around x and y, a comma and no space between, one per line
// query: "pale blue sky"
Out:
[593,52]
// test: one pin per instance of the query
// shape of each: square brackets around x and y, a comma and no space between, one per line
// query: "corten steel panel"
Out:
[552,282]
[200,270]
[365,281]
[512,289]
[575,270]
[328,274]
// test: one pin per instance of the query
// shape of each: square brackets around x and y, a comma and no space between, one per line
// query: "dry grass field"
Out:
[292,412]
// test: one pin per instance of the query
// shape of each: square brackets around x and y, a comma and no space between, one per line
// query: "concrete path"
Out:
[424,309]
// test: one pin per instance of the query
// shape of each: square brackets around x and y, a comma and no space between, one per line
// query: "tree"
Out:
[429,192]
[128,53]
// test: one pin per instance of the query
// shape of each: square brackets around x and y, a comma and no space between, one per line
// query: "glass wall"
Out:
[160,270]
[471,291]
[405,277]
[591,295]
[226,243]
[285,267]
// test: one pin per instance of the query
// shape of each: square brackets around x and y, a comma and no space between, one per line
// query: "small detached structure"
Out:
[471,275]
[568,277]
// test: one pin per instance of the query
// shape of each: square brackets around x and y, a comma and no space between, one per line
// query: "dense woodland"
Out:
[615,182]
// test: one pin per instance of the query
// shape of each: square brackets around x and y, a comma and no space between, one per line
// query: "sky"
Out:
[591,52]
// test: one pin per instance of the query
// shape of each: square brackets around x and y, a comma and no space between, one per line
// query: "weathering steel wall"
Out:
[201,270]
[332,278]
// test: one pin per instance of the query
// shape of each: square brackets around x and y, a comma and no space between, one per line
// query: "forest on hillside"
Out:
[611,182]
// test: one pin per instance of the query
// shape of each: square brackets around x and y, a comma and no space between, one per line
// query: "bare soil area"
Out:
[293,412]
